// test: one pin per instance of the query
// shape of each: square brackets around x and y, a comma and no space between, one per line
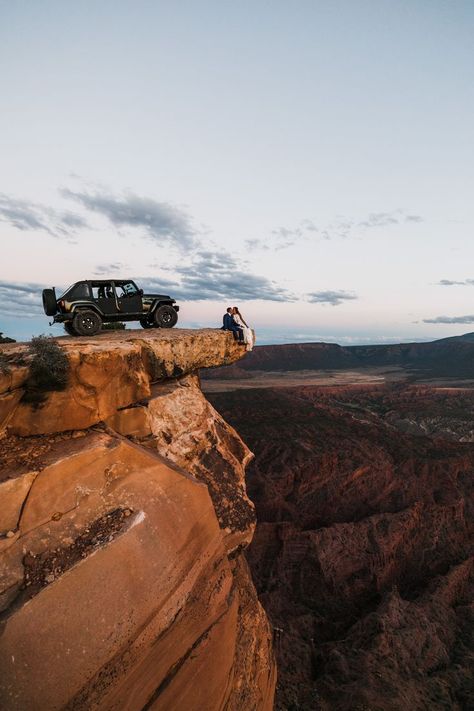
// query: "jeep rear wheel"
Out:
[69,328]
[87,323]
[165,316]
[145,323]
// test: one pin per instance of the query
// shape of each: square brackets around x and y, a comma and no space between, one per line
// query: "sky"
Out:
[308,161]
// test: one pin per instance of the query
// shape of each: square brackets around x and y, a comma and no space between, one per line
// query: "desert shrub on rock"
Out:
[49,368]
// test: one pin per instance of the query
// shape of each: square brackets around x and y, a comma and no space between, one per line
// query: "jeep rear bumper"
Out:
[61,318]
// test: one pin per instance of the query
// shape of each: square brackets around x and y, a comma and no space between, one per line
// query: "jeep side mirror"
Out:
[140,292]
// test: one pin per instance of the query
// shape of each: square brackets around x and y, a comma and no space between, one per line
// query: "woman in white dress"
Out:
[248,333]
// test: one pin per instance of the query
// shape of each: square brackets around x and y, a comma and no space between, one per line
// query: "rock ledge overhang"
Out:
[108,372]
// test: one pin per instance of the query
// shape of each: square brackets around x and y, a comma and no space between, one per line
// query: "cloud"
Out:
[26,215]
[283,237]
[340,227]
[162,221]
[450,319]
[21,300]
[384,219]
[111,270]
[334,298]
[208,276]
[380,219]
[448,282]
[217,276]
[253,244]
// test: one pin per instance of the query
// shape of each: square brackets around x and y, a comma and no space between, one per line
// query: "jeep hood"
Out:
[160,297]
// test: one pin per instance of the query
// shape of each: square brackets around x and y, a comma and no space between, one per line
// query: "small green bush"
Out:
[49,368]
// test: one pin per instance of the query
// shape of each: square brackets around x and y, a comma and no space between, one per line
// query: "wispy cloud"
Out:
[344,227]
[110,270]
[161,221]
[380,219]
[283,237]
[217,276]
[450,319]
[340,227]
[334,298]
[384,219]
[17,299]
[27,215]
[208,276]
[253,244]
[449,282]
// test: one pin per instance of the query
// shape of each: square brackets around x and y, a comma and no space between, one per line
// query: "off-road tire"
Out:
[165,316]
[49,302]
[69,328]
[86,323]
[145,323]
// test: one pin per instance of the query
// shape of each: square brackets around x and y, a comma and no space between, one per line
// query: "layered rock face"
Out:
[123,519]
[363,555]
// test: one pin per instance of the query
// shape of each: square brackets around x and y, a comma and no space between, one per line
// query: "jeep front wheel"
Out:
[165,316]
[87,323]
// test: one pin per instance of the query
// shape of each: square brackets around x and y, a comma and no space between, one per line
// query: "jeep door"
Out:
[129,297]
[104,296]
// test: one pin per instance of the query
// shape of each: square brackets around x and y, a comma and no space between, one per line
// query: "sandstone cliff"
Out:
[124,513]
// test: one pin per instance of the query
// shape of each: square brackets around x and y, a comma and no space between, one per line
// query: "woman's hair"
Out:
[236,309]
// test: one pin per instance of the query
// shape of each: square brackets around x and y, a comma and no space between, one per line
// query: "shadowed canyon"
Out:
[364,494]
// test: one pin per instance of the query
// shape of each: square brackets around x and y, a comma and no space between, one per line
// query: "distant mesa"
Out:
[447,357]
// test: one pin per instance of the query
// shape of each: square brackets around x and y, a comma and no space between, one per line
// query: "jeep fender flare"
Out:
[81,305]
[156,305]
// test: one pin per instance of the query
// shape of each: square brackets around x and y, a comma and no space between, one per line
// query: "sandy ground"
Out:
[289,379]
[360,376]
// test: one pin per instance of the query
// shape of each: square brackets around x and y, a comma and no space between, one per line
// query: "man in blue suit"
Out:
[230,325]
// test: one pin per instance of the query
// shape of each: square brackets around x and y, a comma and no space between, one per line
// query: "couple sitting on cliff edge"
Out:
[234,321]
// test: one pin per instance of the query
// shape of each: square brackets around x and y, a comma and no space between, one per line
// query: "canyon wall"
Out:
[363,554]
[124,516]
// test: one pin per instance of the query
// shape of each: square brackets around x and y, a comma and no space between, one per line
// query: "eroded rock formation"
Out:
[363,554]
[123,517]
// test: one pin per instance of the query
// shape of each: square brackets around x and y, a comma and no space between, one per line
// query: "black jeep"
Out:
[86,305]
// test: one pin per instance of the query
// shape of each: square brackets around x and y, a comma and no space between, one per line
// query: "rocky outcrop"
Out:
[363,553]
[106,374]
[124,514]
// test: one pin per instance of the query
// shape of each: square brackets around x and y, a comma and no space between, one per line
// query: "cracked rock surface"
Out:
[124,515]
